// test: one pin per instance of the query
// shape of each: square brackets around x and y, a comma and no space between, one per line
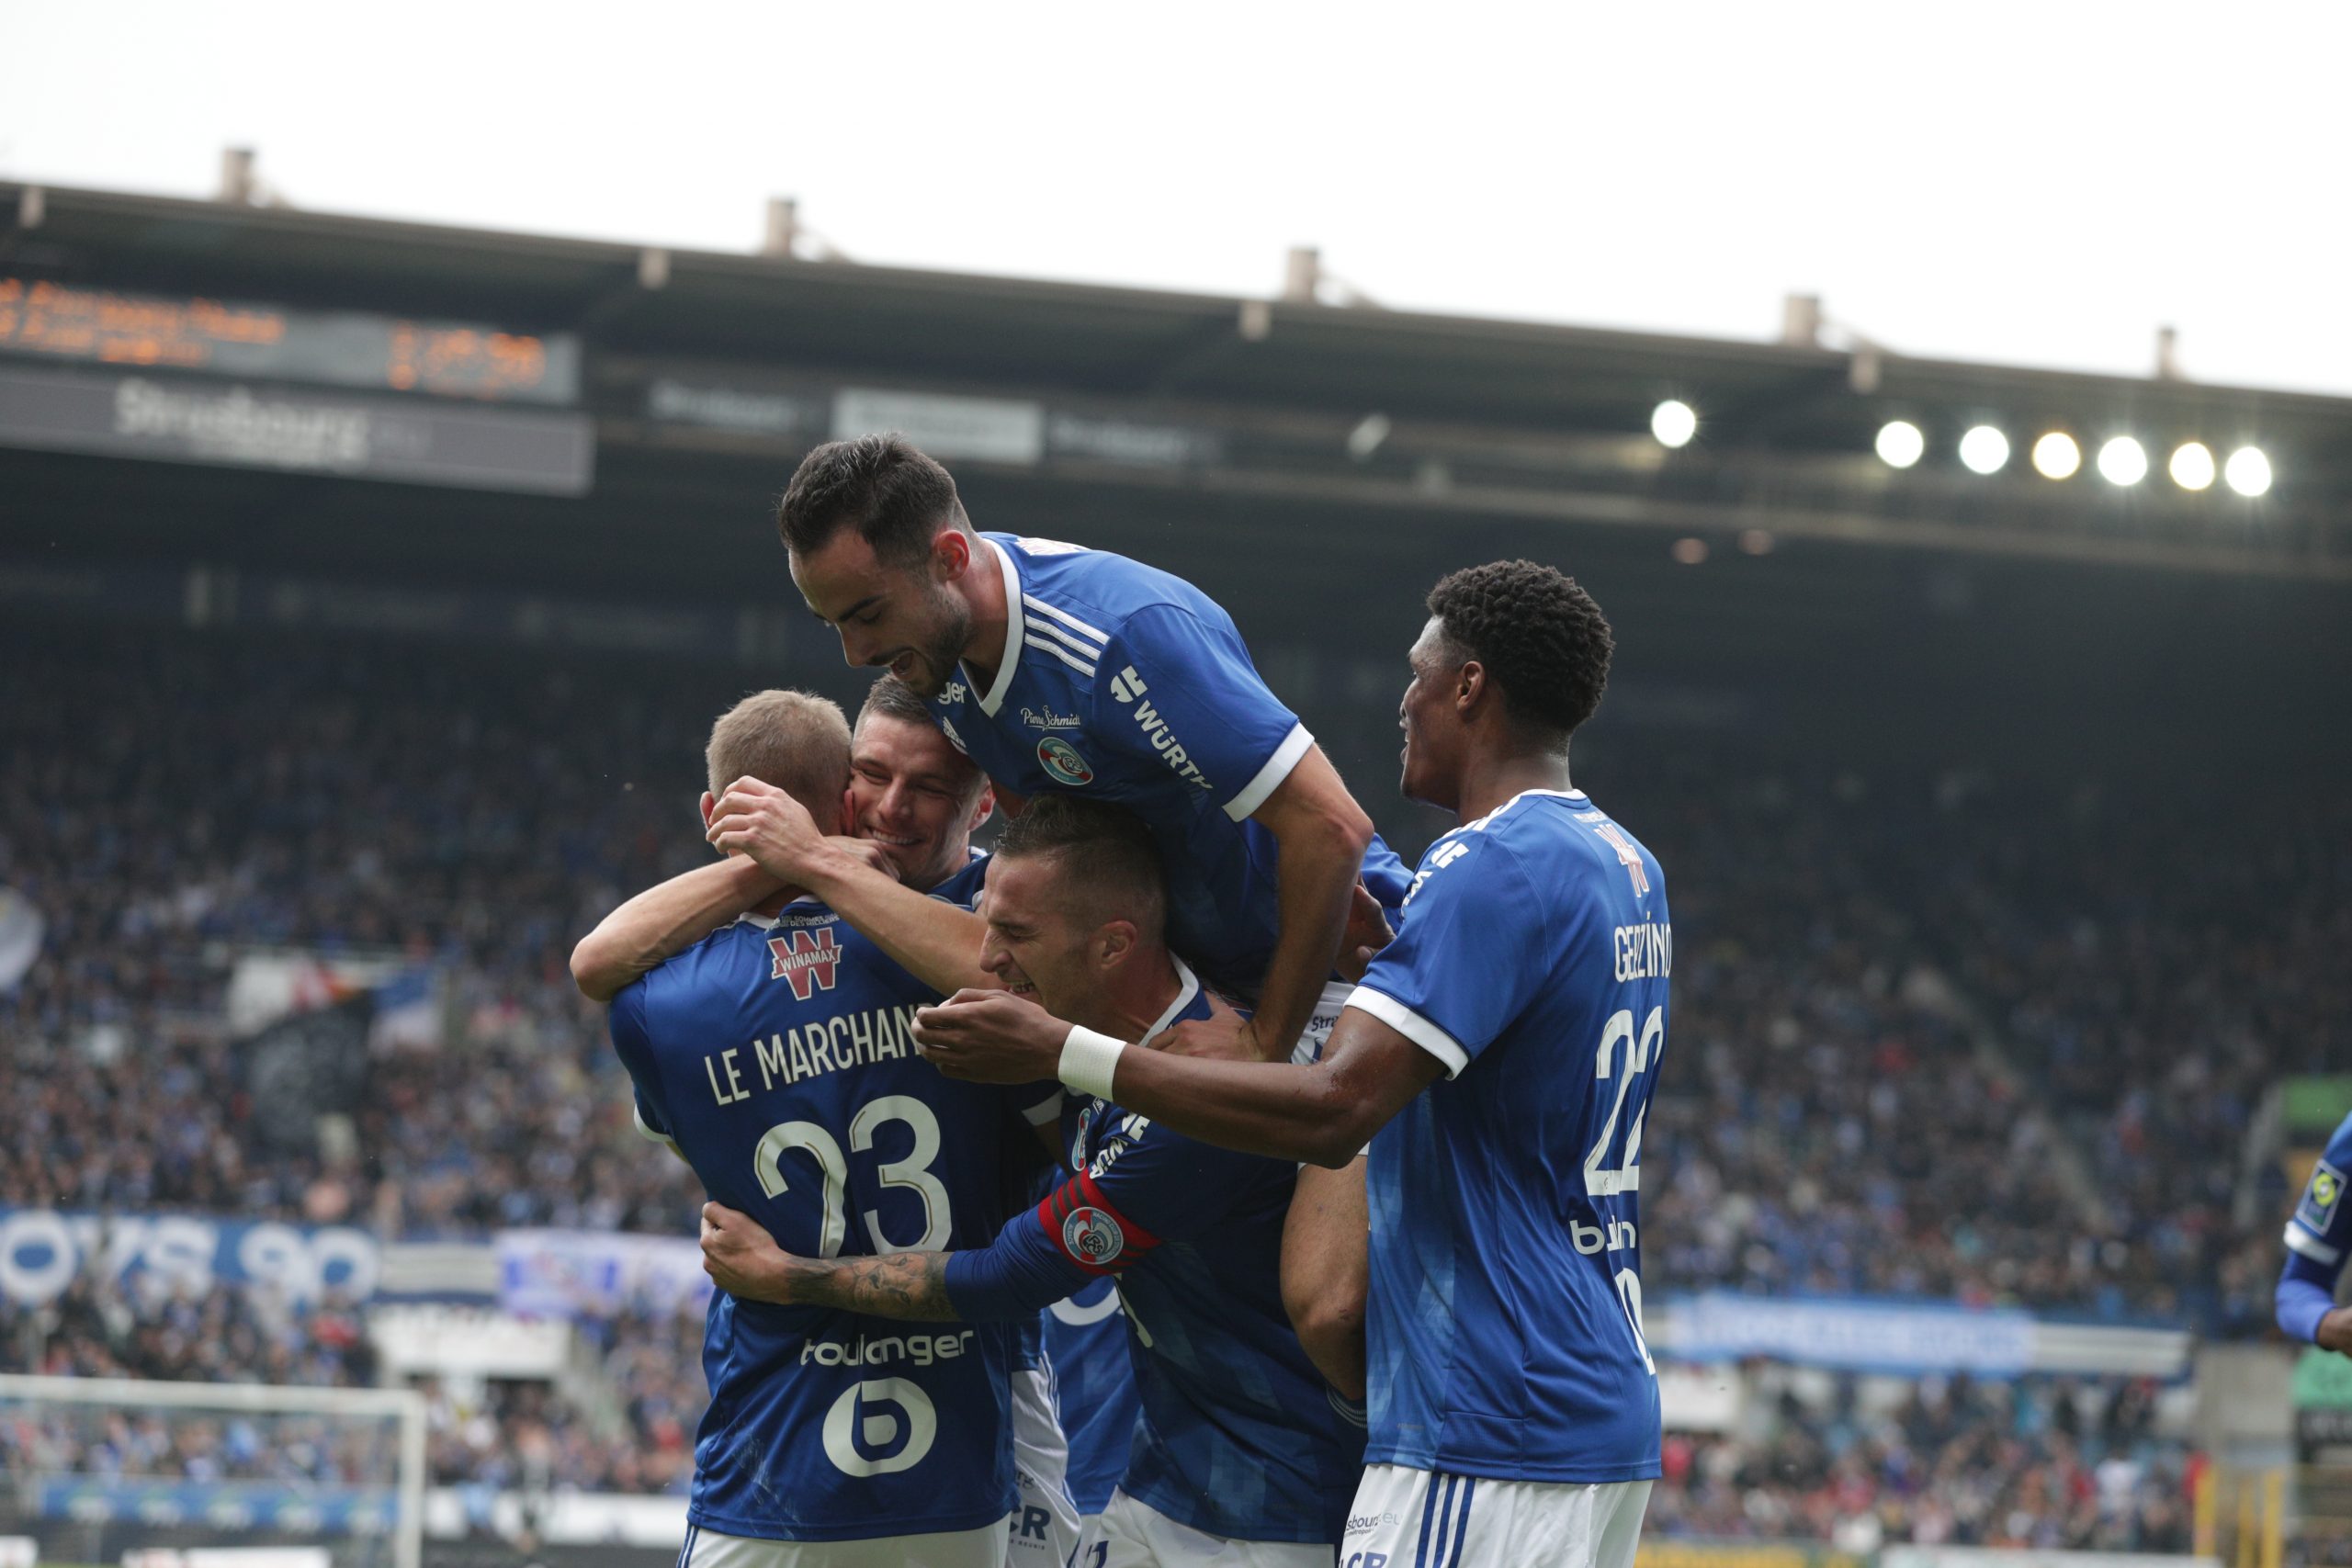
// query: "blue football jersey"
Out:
[1239,1435]
[1086,1342]
[2321,1227]
[1124,683]
[1504,1330]
[777,1056]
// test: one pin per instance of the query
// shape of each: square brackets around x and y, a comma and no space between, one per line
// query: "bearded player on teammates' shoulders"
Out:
[1063,670]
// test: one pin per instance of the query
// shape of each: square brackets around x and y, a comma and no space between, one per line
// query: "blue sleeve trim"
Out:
[1018,1275]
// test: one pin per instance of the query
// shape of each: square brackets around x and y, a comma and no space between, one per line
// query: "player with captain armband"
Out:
[1240,1454]
[1499,1056]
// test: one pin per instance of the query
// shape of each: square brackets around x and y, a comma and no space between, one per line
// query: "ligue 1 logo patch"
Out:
[1061,761]
[1093,1237]
[2317,1210]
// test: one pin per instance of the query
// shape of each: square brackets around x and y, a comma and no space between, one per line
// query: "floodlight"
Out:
[2055,455]
[1985,449]
[1900,444]
[2248,471]
[2192,466]
[2122,461]
[1674,422]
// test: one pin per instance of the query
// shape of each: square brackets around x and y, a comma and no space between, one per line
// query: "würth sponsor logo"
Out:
[807,960]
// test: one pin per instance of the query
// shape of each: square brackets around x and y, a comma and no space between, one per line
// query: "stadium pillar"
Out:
[1303,275]
[1801,320]
[783,226]
[237,184]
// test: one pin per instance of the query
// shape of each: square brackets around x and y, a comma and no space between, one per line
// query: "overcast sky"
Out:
[2040,183]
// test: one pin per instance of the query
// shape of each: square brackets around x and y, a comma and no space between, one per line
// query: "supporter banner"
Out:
[308,1508]
[267,427]
[42,1251]
[554,1273]
[1656,1552]
[1859,1335]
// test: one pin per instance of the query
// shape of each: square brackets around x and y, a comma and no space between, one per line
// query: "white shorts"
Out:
[982,1547]
[1420,1519]
[1129,1534]
[1044,1526]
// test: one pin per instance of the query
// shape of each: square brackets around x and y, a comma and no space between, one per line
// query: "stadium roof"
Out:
[1501,418]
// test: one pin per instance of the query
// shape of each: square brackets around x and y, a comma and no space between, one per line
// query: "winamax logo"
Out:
[805,960]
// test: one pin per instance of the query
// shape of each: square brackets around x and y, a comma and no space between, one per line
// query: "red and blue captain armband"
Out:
[1089,1231]
[1046,1253]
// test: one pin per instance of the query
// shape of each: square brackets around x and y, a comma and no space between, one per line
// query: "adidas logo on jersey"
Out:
[806,960]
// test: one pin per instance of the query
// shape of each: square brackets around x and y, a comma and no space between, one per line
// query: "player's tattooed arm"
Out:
[742,1259]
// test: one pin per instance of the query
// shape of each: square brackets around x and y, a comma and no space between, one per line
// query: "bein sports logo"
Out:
[806,959]
[1093,1237]
[1060,760]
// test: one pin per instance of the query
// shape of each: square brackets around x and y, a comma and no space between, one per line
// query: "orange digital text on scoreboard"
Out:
[115,329]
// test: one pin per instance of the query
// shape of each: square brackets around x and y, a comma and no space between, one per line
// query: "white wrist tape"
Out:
[1088,1060]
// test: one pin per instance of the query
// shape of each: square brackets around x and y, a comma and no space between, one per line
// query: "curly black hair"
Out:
[880,485]
[1541,637]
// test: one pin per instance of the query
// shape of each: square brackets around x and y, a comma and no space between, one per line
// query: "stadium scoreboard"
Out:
[89,325]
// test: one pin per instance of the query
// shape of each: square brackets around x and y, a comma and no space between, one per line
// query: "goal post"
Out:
[73,1430]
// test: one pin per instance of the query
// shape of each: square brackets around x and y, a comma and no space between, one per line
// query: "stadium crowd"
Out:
[2041,1463]
[1911,1055]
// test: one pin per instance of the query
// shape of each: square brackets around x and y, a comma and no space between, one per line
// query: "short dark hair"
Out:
[890,697]
[1540,636]
[893,495]
[1109,862]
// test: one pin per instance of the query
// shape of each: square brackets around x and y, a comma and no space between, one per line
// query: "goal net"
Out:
[130,1473]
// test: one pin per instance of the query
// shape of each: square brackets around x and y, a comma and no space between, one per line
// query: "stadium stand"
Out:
[1998,815]
[1834,1121]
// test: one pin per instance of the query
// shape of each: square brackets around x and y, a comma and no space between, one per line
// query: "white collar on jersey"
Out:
[768,922]
[1030,622]
[1015,629]
[1481,825]
[1188,987]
